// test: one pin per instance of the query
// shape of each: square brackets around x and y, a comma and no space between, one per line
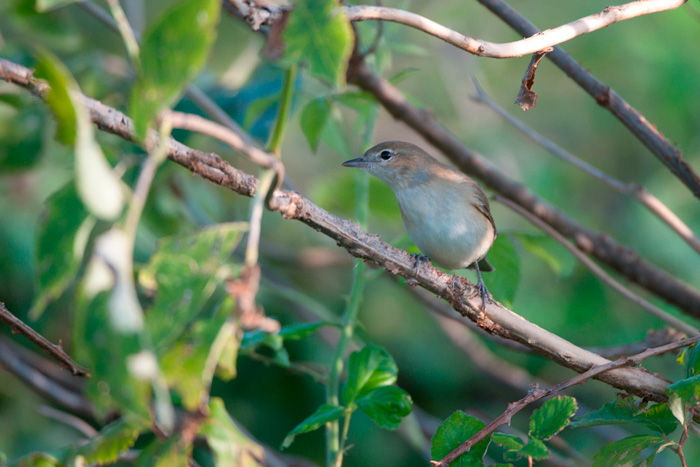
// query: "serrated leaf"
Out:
[368,369]
[536,449]
[552,417]
[684,395]
[548,250]
[626,451]
[333,136]
[99,188]
[173,51]
[319,33]
[509,442]
[657,417]
[112,441]
[503,282]
[386,406]
[324,414]
[229,444]
[454,431]
[313,120]
[60,245]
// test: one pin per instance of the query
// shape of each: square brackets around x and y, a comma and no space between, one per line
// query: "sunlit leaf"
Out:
[628,451]
[317,32]
[229,444]
[173,51]
[112,441]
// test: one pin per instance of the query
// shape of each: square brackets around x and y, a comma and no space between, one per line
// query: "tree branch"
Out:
[538,394]
[530,45]
[620,257]
[646,132]
[495,318]
[56,351]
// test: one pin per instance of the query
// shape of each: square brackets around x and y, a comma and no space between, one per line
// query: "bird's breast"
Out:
[445,225]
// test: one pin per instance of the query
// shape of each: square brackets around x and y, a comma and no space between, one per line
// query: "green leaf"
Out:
[229,444]
[386,405]
[313,120]
[552,417]
[189,364]
[112,441]
[174,50]
[333,136]
[692,361]
[42,6]
[324,414]
[562,262]
[684,395]
[184,273]
[60,245]
[299,331]
[171,453]
[368,369]
[99,188]
[38,459]
[503,282]
[509,442]
[319,33]
[454,431]
[657,417]
[58,98]
[626,451]
[536,449]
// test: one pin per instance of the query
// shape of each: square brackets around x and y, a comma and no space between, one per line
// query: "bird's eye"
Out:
[385,155]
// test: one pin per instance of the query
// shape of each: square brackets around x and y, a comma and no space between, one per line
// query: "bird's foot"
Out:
[418,258]
[456,288]
[482,290]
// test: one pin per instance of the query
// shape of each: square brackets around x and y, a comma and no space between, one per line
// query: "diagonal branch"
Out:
[646,132]
[530,45]
[495,319]
[620,257]
[56,351]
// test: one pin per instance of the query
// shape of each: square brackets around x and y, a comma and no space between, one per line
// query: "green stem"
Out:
[275,144]
[130,42]
[335,441]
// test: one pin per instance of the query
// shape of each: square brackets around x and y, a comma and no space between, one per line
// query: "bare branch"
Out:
[602,275]
[530,45]
[646,132]
[620,257]
[538,394]
[638,192]
[56,351]
[495,318]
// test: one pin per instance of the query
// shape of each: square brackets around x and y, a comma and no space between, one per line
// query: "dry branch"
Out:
[495,318]
[530,45]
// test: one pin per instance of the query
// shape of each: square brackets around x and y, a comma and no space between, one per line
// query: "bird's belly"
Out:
[450,242]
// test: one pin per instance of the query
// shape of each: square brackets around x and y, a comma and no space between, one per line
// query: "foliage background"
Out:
[649,61]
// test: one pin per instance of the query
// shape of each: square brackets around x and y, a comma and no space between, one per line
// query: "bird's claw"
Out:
[418,258]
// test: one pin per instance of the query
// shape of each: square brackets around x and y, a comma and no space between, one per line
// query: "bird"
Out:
[446,213]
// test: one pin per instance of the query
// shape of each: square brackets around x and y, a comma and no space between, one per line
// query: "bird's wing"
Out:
[482,204]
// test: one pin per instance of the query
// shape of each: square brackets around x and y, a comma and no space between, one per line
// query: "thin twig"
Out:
[598,271]
[606,97]
[56,351]
[68,419]
[529,45]
[538,394]
[651,202]
[495,318]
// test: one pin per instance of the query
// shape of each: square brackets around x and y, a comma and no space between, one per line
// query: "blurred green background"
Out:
[649,61]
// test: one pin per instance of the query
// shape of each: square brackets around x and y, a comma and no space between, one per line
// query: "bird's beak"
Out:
[359,162]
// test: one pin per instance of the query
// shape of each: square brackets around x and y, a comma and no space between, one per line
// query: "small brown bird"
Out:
[446,213]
